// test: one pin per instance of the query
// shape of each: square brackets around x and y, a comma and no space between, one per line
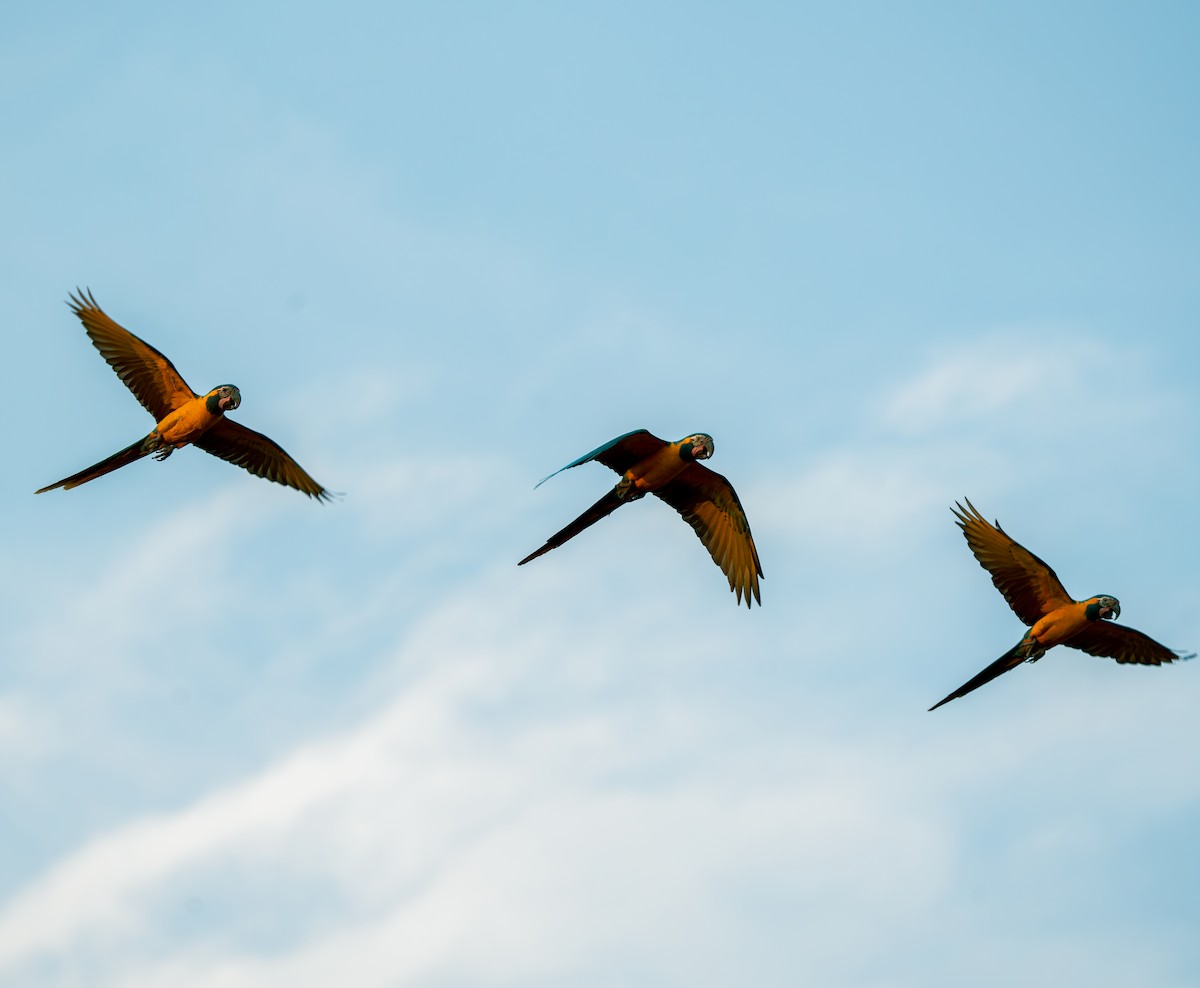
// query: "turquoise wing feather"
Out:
[617,454]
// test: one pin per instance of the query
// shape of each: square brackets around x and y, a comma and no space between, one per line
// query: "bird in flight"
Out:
[673,473]
[181,416]
[1039,599]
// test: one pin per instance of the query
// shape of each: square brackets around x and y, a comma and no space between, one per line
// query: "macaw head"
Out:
[1103,608]
[697,447]
[223,399]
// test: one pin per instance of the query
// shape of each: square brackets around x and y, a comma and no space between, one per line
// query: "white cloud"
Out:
[487,855]
[169,569]
[1032,385]
[981,379]
[873,493]
[502,820]
[548,780]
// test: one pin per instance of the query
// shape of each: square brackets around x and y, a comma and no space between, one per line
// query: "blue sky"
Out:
[887,255]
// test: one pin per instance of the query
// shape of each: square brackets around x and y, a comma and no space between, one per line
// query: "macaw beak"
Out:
[230,402]
[1113,612]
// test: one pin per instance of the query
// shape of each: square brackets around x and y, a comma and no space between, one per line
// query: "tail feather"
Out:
[1009,660]
[602,508]
[107,465]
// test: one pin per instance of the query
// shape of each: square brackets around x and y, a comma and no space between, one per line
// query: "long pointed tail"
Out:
[1009,660]
[108,465]
[605,506]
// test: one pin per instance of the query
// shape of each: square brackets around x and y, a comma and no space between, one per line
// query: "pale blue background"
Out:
[889,255]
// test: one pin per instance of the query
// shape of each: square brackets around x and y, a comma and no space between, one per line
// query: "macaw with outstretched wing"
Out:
[1039,599]
[673,473]
[181,416]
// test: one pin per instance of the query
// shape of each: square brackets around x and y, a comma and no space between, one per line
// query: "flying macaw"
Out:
[672,472]
[1037,597]
[181,416]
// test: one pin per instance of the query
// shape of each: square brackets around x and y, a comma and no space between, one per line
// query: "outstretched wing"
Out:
[1115,641]
[618,454]
[263,457]
[1030,586]
[151,377]
[708,502]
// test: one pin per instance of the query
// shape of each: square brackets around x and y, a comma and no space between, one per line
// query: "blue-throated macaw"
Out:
[181,416]
[673,473]
[1039,599]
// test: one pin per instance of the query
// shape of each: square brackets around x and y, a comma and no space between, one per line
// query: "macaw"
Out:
[1037,597]
[672,472]
[181,416]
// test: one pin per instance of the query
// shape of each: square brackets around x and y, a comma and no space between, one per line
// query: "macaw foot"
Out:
[1031,649]
[626,491]
[155,445]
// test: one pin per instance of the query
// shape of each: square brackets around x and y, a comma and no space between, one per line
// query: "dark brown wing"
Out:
[1115,641]
[263,457]
[618,454]
[624,451]
[708,502]
[1030,586]
[151,377]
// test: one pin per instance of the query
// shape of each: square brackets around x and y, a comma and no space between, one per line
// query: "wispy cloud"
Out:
[986,378]
[545,842]
[544,779]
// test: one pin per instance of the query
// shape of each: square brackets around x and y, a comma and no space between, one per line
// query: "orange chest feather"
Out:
[656,469]
[186,422]
[1061,624]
